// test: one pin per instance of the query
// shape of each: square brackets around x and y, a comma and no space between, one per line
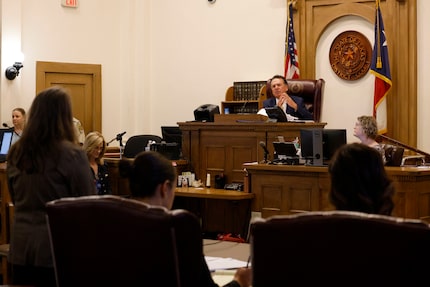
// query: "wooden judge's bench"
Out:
[222,146]
[289,189]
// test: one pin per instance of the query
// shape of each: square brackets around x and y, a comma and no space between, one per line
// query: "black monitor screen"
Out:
[172,134]
[277,114]
[307,143]
[332,140]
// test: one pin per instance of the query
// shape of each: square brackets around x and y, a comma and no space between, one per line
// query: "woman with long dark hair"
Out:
[45,164]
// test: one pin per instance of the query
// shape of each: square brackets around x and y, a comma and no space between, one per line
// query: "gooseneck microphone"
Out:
[5,125]
[266,152]
[118,138]
[242,109]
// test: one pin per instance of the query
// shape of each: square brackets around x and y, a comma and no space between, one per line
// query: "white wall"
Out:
[162,59]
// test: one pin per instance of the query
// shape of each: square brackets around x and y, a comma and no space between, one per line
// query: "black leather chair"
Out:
[393,155]
[113,241]
[312,92]
[339,248]
[137,143]
[5,247]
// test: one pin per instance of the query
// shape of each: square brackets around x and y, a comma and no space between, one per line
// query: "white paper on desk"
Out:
[220,263]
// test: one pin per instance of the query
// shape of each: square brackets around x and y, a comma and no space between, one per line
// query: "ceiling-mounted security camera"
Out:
[212,1]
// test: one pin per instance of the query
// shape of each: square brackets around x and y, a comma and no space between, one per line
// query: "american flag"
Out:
[291,58]
[380,67]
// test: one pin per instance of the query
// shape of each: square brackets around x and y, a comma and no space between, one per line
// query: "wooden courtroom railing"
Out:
[424,154]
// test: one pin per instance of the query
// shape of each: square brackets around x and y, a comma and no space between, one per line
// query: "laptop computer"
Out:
[6,142]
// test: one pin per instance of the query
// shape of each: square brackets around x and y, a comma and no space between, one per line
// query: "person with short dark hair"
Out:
[291,105]
[152,179]
[45,164]
[359,181]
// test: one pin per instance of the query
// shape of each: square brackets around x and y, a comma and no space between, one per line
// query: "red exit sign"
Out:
[69,3]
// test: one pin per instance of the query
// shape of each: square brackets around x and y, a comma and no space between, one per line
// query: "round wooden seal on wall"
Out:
[350,55]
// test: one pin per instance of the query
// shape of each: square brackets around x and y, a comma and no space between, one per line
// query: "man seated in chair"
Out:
[291,105]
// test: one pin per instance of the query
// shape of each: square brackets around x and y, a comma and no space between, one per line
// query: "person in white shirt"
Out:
[79,130]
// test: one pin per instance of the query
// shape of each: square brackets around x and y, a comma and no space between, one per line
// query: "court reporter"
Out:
[152,179]
[366,130]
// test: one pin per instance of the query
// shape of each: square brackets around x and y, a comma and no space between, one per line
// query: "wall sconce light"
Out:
[13,71]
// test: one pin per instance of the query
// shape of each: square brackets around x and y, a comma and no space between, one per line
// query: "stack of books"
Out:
[247,91]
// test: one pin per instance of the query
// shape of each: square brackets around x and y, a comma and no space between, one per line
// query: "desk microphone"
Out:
[5,125]
[266,151]
[118,138]
[243,108]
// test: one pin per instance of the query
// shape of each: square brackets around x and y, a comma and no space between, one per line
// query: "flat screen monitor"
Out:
[319,145]
[332,140]
[311,146]
[172,134]
[276,113]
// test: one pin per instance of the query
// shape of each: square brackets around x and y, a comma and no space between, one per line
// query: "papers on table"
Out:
[220,263]
[223,277]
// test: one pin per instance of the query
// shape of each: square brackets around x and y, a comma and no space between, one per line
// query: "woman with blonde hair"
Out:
[95,147]
[366,130]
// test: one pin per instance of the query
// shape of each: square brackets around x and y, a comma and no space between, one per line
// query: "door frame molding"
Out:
[43,68]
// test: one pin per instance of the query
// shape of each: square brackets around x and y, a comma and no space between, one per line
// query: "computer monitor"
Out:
[172,134]
[319,145]
[333,139]
[311,149]
[277,114]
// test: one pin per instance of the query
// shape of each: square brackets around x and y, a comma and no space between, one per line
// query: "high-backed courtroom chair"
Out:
[113,241]
[137,143]
[5,247]
[312,92]
[339,248]
[393,154]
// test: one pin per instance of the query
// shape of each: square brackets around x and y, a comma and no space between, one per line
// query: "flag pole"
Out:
[378,50]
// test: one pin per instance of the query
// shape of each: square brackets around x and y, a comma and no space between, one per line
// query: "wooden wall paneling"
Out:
[314,16]
[277,190]
[282,193]
[221,156]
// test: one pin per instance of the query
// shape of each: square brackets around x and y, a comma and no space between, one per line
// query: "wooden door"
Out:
[84,83]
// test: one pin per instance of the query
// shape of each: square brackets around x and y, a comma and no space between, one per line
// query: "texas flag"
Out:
[380,67]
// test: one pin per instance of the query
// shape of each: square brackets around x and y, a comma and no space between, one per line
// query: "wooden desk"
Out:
[220,210]
[120,184]
[227,249]
[224,145]
[289,189]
